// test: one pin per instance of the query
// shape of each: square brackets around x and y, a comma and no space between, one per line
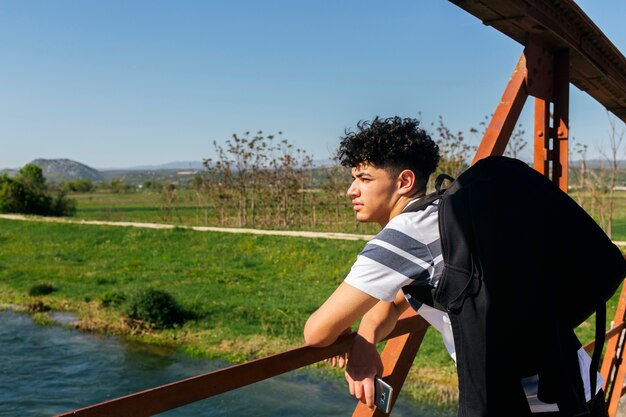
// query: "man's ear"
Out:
[406,181]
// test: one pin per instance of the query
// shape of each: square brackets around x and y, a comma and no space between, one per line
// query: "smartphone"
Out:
[382,395]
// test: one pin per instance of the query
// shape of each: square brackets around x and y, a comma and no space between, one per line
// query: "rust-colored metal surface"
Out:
[397,358]
[551,133]
[611,333]
[177,394]
[560,129]
[596,65]
[543,73]
[505,117]
[613,370]
[542,139]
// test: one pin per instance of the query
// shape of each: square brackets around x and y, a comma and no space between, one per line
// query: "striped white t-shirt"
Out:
[406,252]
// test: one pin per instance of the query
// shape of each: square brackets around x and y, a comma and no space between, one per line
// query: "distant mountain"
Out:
[10,172]
[177,165]
[59,170]
[597,163]
[191,166]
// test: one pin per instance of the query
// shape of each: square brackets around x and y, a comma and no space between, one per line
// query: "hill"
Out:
[136,177]
[170,166]
[59,170]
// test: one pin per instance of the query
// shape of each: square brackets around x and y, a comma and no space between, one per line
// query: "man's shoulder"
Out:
[411,229]
[415,220]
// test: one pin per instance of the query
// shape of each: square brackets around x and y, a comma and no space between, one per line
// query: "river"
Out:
[47,370]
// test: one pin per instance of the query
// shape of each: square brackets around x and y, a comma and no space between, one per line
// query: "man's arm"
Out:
[380,320]
[363,359]
[339,312]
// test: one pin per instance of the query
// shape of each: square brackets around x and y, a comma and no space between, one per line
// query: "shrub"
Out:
[62,206]
[79,186]
[38,307]
[157,308]
[41,289]
[28,193]
[112,298]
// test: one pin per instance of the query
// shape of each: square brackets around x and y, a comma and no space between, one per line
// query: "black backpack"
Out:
[524,266]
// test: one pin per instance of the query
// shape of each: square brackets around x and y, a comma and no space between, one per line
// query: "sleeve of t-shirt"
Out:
[390,261]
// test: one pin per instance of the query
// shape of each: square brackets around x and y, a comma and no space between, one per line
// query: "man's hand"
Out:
[339,360]
[363,366]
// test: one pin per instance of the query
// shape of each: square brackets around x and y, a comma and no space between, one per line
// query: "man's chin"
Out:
[363,218]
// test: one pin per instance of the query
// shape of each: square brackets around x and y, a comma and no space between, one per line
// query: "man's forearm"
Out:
[378,323]
[338,313]
[381,319]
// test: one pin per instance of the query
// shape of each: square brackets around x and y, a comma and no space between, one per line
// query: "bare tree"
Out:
[169,197]
[454,151]
[200,187]
[257,171]
[517,143]
[580,174]
[221,181]
[335,184]
[616,137]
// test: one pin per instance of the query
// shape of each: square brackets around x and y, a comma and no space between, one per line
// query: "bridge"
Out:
[561,46]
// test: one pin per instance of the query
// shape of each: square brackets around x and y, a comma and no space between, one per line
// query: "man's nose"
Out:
[352,190]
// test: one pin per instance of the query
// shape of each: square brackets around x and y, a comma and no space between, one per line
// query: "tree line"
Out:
[263,180]
[28,193]
[595,186]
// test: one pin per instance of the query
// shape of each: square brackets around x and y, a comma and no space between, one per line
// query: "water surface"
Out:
[48,370]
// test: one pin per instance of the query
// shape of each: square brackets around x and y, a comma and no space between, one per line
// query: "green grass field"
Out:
[619,213]
[147,206]
[239,284]
[251,294]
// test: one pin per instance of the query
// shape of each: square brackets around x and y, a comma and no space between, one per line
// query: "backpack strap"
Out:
[439,182]
[429,199]
[597,350]
[423,293]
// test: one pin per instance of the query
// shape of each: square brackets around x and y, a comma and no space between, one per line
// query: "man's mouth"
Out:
[356,205]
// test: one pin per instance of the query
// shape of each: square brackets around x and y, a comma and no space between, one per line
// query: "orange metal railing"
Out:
[397,360]
[612,370]
[160,399]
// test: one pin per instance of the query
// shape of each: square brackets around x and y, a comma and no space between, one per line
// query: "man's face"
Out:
[372,193]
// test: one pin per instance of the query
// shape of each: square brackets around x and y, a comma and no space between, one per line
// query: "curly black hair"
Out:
[394,144]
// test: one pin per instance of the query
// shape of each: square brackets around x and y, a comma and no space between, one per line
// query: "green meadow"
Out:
[148,206]
[237,285]
[250,295]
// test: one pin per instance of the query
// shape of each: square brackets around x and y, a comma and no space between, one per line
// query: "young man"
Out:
[391,161]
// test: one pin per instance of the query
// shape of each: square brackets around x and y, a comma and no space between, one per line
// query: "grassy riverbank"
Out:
[250,295]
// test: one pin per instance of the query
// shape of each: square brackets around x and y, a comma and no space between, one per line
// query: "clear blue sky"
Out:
[118,83]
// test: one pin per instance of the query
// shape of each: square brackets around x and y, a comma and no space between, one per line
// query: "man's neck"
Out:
[401,204]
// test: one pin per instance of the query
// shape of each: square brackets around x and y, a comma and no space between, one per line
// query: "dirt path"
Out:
[322,235]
